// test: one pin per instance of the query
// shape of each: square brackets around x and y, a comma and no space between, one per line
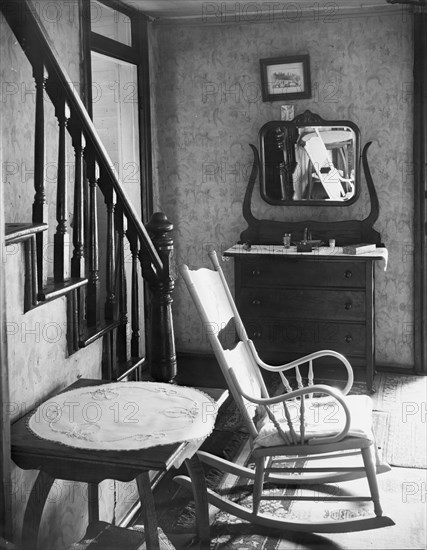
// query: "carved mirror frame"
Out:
[345,232]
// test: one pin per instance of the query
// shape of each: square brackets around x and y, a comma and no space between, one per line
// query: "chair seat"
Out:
[104,536]
[323,417]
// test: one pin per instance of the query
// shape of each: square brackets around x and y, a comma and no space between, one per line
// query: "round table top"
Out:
[125,416]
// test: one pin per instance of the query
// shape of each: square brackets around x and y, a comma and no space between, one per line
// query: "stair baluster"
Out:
[109,363]
[92,313]
[61,240]
[121,287]
[77,302]
[78,259]
[110,301]
[40,208]
[135,338]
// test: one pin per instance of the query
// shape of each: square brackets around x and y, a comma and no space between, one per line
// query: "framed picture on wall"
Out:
[285,78]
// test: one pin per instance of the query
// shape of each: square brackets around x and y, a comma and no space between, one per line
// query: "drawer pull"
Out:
[256,335]
[348,305]
[348,274]
[256,302]
[256,272]
[349,338]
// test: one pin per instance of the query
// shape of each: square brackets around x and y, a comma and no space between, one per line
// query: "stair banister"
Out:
[18,12]
[155,251]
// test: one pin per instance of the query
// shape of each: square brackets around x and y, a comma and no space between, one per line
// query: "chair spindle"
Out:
[299,378]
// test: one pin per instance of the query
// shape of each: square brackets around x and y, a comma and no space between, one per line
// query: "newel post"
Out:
[162,340]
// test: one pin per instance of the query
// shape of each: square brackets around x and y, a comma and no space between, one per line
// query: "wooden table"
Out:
[56,461]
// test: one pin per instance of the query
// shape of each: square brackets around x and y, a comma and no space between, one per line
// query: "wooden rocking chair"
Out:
[289,426]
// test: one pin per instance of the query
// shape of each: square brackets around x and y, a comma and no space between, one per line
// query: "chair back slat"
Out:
[240,329]
[216,309]
[240,361]
[208,287]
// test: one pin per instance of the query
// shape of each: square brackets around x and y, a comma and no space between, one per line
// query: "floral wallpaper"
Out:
[38,362]
[207,108]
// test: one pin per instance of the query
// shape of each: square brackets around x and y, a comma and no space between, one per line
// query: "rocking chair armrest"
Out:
[317,388]
[346,180]
[306,359]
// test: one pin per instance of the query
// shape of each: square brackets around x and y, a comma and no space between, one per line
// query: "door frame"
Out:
[420,191]
[138,54]
[5,458]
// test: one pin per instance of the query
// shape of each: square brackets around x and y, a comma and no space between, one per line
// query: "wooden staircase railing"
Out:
[76,271]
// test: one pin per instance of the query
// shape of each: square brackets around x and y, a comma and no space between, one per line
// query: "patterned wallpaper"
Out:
[37,357]
[207,107]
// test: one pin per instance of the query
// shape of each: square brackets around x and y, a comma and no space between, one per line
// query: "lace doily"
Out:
[125,416]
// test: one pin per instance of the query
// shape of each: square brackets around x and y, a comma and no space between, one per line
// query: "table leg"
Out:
[93,502]
[148,511]
[34,510]
[198,483]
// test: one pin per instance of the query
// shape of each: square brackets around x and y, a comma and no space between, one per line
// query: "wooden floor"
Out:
[170,499]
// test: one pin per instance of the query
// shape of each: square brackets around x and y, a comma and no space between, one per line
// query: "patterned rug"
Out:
[404,397]
[401,497]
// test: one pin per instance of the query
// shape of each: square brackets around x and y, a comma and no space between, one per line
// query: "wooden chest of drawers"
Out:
[295,304]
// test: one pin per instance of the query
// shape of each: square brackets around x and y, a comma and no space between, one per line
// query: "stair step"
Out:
[54,290]
[130,366]
[15,232]
[93,333]
[25,234]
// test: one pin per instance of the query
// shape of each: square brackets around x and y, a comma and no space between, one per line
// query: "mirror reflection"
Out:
[316,163]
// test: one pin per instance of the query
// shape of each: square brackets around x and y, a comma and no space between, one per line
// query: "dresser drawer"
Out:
[306,336]
[302,303]
[295,272]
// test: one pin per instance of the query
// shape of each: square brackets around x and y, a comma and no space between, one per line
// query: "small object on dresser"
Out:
[361,248]
[287,240]
[332,243]
[304,246]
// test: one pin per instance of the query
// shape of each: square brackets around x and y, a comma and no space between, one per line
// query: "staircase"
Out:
[97,295]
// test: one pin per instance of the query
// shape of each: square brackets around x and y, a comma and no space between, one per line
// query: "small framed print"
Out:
[285,78]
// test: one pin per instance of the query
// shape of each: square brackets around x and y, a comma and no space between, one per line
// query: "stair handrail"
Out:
[13,11]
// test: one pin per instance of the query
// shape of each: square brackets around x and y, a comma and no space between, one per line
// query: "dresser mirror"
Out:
[310,160]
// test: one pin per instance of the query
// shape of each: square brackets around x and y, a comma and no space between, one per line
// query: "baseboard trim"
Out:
[395,369]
